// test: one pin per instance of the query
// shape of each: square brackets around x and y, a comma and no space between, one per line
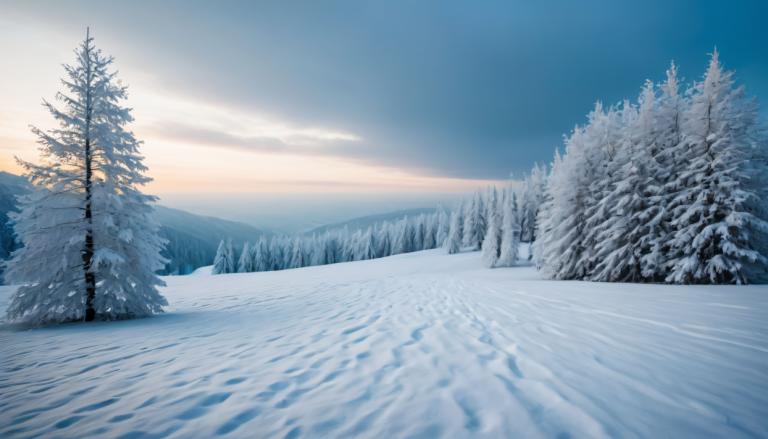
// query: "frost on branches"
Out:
[90,244]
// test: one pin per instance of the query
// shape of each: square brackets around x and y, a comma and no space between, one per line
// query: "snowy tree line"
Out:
[670,189]
[491,219]
[424,232]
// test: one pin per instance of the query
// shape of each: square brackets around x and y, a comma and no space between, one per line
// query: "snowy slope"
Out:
[418,345]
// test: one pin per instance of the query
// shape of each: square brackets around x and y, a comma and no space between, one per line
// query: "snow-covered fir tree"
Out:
[717,213]
[491,246]
[664,169]
[620,236]
[224,261]
[545,219]
[510,231]
[430,231]
[604,138]
[258,261]
[474,226]
[532,198]
[347,252]
[419,233]
[273,257]
[561,249]
[245,264]
[296,259]
[455,231]
[384,243]
[368,247]
[356,246]
[402,238]
[441,229]
[90,244]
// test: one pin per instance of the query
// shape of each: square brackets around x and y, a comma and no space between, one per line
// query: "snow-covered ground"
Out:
[419,345]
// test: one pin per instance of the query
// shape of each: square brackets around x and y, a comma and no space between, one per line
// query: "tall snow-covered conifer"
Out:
[604,138]
[545,221]
[532,197]
[90,244]
[296,258]
[454,239]
[491,245]
[224,262]
[510,232]
[665,167]
[561,249]
[474,226]
[717,216]
[620,237]
[441,233]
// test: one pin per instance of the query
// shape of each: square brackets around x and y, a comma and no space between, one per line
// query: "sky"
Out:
[244,103]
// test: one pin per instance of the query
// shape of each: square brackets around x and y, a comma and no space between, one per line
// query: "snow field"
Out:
[417,345]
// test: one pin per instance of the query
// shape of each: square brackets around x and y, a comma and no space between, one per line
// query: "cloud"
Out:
[216,138]
[183,120]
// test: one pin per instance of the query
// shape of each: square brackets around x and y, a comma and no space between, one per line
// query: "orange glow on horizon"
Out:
[182,168]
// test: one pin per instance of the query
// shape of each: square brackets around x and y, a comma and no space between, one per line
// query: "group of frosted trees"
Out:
[90,247]
[495,222]
[490,220]
[671,189]
[424,232]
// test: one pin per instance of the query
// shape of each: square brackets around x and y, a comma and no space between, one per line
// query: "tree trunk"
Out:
[90,277]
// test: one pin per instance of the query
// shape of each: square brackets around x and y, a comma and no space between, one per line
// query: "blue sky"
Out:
[470,91]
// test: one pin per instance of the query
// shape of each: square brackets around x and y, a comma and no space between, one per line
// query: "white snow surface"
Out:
[419,345]
[202,271]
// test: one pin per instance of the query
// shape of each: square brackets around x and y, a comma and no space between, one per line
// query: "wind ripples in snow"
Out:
[421,345]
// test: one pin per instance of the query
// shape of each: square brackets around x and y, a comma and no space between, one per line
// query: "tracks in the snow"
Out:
[416,355]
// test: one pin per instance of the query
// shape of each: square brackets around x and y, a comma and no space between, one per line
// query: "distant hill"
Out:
[363,222]
[10,187]
[193,239]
